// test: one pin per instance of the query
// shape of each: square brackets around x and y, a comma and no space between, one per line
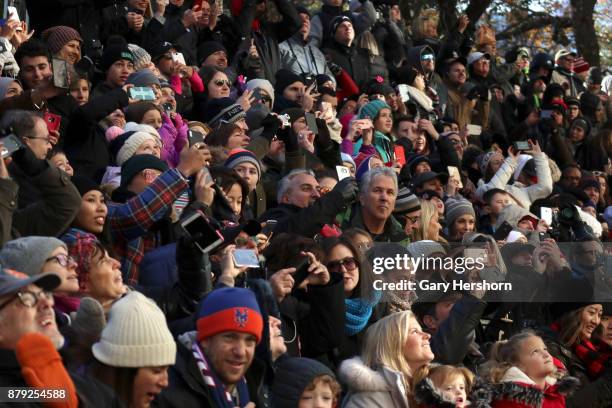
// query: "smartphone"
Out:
[52,120]
[476,254]
[142,93]
[502,232]
[12,10]
[521,146]
[546,214]
[256,94]
[268,228]
[208,180]
[400,156]
[301,272]
[11,144]
[343,172]
[196,5]
[246,257]
[193,136]
[60,73]
[206,237]
[474,130]
[402,90]
[167,107]
[546,114]
[311,121]
[178,57]
[454,173]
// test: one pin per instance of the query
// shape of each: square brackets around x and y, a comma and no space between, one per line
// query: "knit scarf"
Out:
[593,360]
[358,313]
[220,396]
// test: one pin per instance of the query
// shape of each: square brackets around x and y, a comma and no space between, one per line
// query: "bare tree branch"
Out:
[532,23]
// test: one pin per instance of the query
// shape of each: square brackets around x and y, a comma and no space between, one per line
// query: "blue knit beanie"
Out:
[372,109]
[229,309]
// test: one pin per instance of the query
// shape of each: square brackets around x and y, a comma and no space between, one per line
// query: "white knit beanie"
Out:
[132,144]
[136,335]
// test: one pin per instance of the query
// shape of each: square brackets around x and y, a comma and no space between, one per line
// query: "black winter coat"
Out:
[187,388]
[353,60]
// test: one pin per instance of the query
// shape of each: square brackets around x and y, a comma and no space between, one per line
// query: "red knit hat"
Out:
[56,37]
[81,246]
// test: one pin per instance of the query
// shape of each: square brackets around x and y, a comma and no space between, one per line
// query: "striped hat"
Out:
[406,202]
[237,156]
[229,309]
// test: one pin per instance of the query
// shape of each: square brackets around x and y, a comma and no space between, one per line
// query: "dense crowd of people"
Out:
[255,204]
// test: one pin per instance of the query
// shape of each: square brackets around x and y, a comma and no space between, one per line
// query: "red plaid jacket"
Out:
[130,221]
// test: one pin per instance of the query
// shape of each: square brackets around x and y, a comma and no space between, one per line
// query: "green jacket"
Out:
[393,231]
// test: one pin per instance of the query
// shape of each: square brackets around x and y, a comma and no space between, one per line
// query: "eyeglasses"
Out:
[28,299]
[46,139]
[221,82]
[598,173]
[349,263]
[63,259]
[413,219]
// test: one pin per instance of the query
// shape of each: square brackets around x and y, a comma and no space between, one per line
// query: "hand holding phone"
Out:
[10,145]
[454,173]
[521,146]
[60,73]
[52,121]
[194,137]
[245,258]
[311,122]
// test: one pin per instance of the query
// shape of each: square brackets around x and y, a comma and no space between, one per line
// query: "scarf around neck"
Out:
[358,312]
[221,397]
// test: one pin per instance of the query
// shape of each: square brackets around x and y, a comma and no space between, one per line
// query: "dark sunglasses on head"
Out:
[349,263]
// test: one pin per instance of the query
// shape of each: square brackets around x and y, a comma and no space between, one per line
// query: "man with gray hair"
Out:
[301,208]
[374,210]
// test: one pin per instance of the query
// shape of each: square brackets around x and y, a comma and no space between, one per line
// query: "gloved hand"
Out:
[42,367]
[348,189]
[90,319]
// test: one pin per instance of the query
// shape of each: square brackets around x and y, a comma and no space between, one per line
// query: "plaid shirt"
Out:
[130,221]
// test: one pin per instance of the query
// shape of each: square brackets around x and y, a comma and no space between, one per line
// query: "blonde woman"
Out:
[429,224]
[394,349]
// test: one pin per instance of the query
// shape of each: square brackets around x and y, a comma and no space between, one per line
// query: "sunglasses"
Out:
[349,263]
[221,82]
[427,57]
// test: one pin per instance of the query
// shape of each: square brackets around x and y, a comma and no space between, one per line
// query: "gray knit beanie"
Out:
[28,254]
[455,209]
[142,58]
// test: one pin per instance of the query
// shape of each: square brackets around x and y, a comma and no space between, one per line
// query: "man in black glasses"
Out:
[26,310]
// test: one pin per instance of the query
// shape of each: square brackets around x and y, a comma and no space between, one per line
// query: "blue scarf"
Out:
[220,396]
[358,312]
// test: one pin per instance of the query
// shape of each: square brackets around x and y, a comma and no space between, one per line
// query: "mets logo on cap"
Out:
[229,310]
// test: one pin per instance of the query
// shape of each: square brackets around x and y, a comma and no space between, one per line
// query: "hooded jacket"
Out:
[524,194]
[382,388]
[517,390]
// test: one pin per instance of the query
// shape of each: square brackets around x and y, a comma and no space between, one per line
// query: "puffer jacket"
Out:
[303,57]
[524,194]
[368,388]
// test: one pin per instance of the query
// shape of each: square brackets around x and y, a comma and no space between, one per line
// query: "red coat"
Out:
[518,391]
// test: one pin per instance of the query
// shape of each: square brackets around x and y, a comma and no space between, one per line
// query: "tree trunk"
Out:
[584,30]
[448,15]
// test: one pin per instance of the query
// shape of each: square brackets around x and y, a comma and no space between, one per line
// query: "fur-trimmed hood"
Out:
[361,378]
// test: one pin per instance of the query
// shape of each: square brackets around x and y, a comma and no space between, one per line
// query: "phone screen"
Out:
[246,257]
[178,57]
[10,145]
[343,172]
[521,146]
[400,156]
[142,93]
[454,173]
[311,121]
[60,73]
